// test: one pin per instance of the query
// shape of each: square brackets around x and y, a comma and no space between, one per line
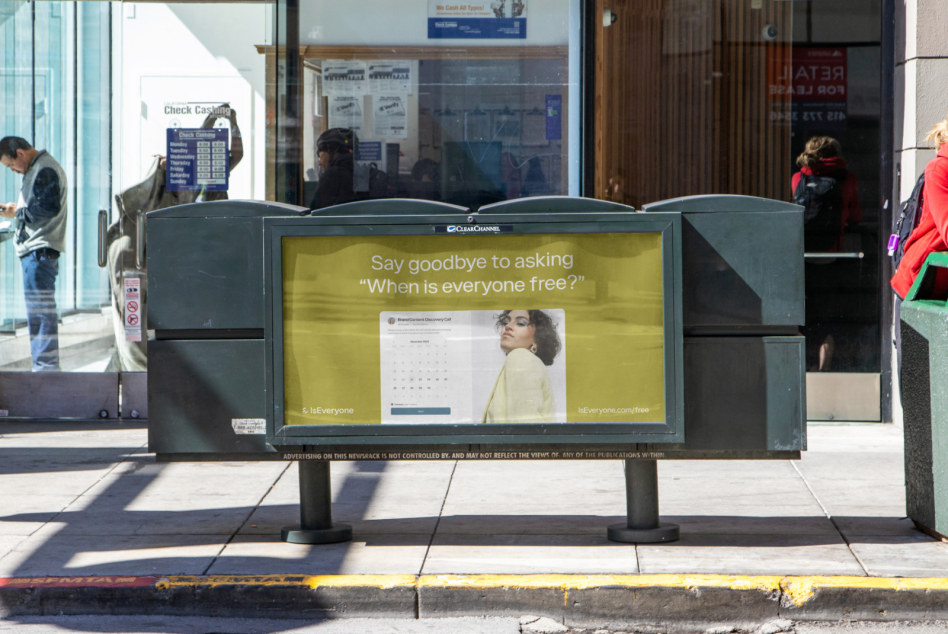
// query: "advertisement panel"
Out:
[489,330]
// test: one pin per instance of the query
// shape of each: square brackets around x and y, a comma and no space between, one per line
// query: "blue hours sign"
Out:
[198,159]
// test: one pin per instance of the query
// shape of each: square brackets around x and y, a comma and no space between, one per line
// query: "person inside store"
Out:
[425,180]
[339,181]
[334,149]
[829,192]
[523,392]
[829,195]
[534,183]
[39,220]
[931,234]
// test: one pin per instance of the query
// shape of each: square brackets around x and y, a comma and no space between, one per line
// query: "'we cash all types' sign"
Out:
[484,20]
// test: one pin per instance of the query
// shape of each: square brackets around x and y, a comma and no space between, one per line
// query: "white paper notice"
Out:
[343,77]
[133,309]
[390,116]
[390,77]
[345,111]
[249,426]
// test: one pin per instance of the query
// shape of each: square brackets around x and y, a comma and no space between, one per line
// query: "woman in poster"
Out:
[523,392]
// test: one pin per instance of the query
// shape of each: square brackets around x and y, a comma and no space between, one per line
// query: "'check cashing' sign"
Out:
[198,159]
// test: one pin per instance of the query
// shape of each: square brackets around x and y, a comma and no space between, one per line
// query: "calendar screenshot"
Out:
[426,367]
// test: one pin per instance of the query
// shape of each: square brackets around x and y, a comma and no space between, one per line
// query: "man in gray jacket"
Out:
[40,221]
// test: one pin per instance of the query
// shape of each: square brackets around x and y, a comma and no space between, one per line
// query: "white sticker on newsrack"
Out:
[249,425]
[133,309]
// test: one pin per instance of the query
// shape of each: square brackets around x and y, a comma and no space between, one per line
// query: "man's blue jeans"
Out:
[39,287]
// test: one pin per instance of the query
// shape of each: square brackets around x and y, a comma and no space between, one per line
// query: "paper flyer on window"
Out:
[344,77]
[345,111]
[499,19]
[392,76]
[390,116]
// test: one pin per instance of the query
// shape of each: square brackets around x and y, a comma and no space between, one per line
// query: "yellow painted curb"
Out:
[799,590]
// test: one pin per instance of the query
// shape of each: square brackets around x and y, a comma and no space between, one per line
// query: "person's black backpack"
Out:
[822,200]
[379,184]
[910,214]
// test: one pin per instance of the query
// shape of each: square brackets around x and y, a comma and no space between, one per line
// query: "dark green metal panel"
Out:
[205,273]
[229,209]
[742,264]
[554,204]
[743,269]
[714,203]
[392,206]
[197,387]
[205,264]
[925,398]
[743,394]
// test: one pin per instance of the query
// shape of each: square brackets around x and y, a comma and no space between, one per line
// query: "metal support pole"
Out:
[642,525]
[315,525]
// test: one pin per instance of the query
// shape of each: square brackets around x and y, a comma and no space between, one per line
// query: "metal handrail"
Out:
[140,240]
[860,255]
[103,231]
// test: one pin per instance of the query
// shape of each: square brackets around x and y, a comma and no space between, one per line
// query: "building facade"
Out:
[633,101]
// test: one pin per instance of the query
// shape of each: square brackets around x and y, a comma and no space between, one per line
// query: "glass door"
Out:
[57,348]
[93,94]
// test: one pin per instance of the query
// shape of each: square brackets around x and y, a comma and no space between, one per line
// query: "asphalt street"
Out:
[469,625]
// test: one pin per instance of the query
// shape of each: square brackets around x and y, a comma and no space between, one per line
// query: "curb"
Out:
[571,599]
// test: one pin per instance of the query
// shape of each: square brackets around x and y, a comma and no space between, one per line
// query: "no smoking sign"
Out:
[133,325]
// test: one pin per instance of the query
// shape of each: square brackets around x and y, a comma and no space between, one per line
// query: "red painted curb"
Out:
[113,581]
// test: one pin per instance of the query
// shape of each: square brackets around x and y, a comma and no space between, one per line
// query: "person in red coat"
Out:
[930,235]
[829,193]
[822,157]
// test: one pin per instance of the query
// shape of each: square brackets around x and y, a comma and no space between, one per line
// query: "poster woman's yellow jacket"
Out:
[523,392]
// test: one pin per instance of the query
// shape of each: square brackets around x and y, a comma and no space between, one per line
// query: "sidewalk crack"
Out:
[434,532]
[830,518]
[246,519]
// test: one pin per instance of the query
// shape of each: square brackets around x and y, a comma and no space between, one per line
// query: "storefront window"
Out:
[722,97]
[461,104]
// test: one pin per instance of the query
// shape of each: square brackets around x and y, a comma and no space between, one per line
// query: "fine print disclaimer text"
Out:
[480,455]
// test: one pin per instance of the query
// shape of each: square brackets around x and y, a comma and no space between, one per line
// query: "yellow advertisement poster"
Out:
[473,329]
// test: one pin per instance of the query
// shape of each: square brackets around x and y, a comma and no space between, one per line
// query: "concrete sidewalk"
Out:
[84,500]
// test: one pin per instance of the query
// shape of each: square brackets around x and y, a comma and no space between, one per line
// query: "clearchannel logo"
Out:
[473,228]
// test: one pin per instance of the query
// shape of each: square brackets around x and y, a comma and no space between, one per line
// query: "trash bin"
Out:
[924,384]
[743,304]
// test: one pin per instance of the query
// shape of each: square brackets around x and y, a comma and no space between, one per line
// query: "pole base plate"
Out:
[664,532]
[295,534]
